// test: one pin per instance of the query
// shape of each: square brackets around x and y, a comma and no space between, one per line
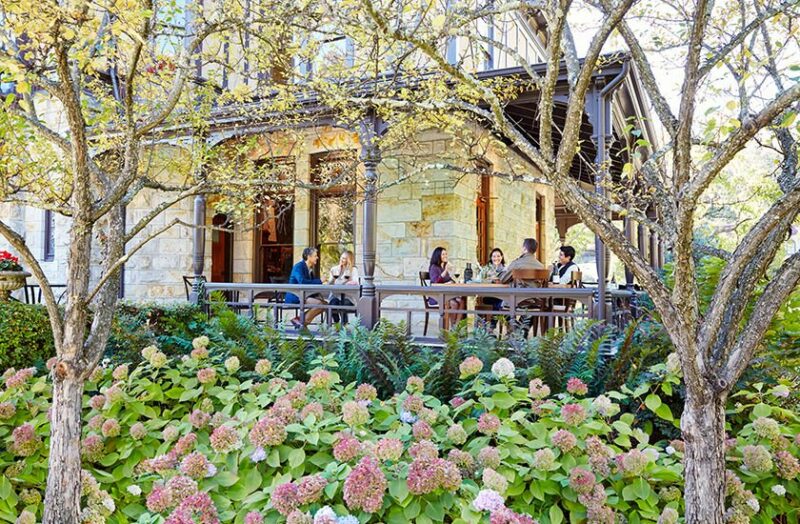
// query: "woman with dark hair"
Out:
[497,263]
[439,273]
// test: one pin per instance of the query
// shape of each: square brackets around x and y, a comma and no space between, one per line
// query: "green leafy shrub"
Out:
[27,338]
[199,436]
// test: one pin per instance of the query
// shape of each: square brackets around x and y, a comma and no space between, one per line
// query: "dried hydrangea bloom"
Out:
[494,480]
[263,367]
[573,414]
[366,392]
[365,486]
[267,432]
[389,449]
[225,439]
[488,424]
[489,457]
[470,366]
[415,384]
[310,488]
[576,386]
[347,448]
[422,430]
[757,459]
[354,414]
[284,498]
[456,434]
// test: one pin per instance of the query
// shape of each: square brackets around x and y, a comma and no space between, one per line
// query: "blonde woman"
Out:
[345,273]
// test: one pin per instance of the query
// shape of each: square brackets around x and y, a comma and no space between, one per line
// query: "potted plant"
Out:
[12,276]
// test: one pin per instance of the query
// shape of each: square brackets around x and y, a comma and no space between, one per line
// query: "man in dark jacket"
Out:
[303,273]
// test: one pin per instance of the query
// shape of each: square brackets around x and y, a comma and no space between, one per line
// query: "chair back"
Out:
[188,283]
[424,281]
[530,277]
[577,279]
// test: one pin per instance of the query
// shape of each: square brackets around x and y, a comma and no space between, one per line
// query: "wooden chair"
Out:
[567,305]
[424,281]
[538,278]
[188,283]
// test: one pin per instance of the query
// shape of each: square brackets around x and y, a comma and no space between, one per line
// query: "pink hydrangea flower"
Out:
[347,448]
[282,409]
[366,392]
[354,414]
[111,428]
[159,499]
[389,449]
[312,408]
[207,376]
[93,448]
[573,414]
[470,366]
[488,424]
[489,457]
[320,379]
[181,487]
[97,402]
[787,465]
[413,404]
[7,410]
[538,389]
[456,434]
[185,444]
[197,508]
[120,372]
[506,516]
[25,440]
[581,480]
[196,465]
[415,384]
[462,459]
[544,459]
[365,486]
[138,431]
[633,462]
[199,419]
[494,480]
[564,440]
[422,430]
[96,422]
[456,402]
[254,517]
[263,367]
[424,449]
[161,463]
[310,488]
[577,387]
[225,439]
[267,432]
[422,478]
[284,498]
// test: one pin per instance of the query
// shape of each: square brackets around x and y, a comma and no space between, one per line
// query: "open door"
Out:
[221,250]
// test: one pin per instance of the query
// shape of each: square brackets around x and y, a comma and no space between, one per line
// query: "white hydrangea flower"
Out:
[670,450]
[503,368]
[651,453]
[134,490]
[754,505]
[779,490]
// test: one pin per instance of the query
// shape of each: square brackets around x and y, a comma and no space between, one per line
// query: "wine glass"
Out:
[456,275]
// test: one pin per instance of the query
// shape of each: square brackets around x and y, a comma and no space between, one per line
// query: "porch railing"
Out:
[404,301]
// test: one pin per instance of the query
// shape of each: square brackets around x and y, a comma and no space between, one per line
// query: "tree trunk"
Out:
[703,427]
[63,496]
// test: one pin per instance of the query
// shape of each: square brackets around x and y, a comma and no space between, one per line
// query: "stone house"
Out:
[467,214]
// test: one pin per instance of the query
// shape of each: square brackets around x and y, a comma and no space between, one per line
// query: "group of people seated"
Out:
[440,271]
[345,273]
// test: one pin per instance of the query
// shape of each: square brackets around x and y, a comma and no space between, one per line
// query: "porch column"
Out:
[600,107]
[641,240]
[628,236]
[661,254]
[198,247]
[371,157]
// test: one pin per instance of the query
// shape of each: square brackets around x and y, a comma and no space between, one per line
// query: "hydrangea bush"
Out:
[193,441]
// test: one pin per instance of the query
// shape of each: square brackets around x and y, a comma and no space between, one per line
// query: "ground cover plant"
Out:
[200,439]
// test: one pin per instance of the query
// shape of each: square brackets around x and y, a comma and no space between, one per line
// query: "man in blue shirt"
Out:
[303,273]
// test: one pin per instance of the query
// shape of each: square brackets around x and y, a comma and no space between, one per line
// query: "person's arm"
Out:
[306,276]
[435,273]
[353,275]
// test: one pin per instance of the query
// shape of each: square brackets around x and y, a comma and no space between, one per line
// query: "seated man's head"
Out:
[310,256]
[566,255]
[529,245]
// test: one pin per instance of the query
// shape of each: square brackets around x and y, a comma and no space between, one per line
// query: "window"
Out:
[274,232]
[334,207]
[540,227]
[49,253]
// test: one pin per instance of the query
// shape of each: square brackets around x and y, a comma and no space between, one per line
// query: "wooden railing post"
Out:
[371,157]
